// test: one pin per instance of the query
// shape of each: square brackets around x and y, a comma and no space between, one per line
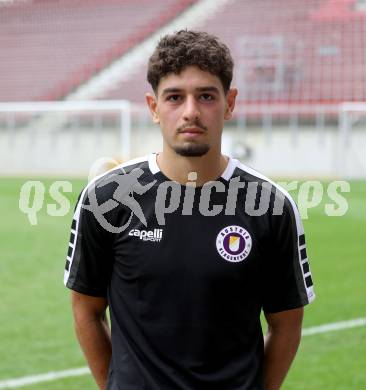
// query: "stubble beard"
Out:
[190,149]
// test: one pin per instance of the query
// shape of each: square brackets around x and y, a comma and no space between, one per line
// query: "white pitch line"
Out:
[54,375]
[47,377]
[334,326]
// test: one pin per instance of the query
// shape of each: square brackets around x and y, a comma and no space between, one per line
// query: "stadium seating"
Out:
[309,51]
[49,47]
[285,51]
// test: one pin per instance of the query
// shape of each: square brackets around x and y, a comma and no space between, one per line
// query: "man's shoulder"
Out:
[259,182]
[136,163]
[250,175]
[122,177]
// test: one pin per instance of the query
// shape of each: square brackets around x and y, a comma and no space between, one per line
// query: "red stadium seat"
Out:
[48,48]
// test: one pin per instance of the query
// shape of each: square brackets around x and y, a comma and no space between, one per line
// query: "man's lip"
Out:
[194,130]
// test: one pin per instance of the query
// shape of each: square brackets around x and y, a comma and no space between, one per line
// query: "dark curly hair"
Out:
[176,51]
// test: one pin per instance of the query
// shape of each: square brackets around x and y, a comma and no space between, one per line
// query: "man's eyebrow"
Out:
[171,90]
[209,88]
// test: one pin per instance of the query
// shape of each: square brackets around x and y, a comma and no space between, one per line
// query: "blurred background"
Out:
[72,90]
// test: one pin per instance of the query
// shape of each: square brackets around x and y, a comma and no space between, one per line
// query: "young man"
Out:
[187,246]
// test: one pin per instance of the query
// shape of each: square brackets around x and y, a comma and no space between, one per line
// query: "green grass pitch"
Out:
[36,333]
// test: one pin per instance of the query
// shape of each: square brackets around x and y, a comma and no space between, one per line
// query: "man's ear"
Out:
[153,107]
[230,103]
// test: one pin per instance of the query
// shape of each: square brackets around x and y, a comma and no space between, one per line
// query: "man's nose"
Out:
[191,109]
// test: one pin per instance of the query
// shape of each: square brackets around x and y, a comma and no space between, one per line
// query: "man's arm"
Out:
[280,345]
[93,333]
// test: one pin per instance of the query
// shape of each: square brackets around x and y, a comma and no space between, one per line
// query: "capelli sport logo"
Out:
[147,235]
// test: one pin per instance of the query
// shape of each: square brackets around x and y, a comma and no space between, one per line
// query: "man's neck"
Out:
[208,167]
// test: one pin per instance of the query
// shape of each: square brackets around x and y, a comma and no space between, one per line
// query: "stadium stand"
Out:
[309,52]
[48,47]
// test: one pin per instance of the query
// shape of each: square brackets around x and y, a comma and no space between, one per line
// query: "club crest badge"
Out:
[234,243]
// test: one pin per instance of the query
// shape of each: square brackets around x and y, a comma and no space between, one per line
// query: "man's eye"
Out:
[207,97]
[173,98]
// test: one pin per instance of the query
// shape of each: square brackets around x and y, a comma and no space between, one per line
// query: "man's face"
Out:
[191,108]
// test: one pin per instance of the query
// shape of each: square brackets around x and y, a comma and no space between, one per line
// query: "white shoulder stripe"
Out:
[230,168]
[153,165]
[134,161]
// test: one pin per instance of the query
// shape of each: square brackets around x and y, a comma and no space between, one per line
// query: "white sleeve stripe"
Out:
[299,226]
[79,204]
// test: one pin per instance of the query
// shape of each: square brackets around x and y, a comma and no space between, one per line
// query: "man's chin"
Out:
[192,150]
